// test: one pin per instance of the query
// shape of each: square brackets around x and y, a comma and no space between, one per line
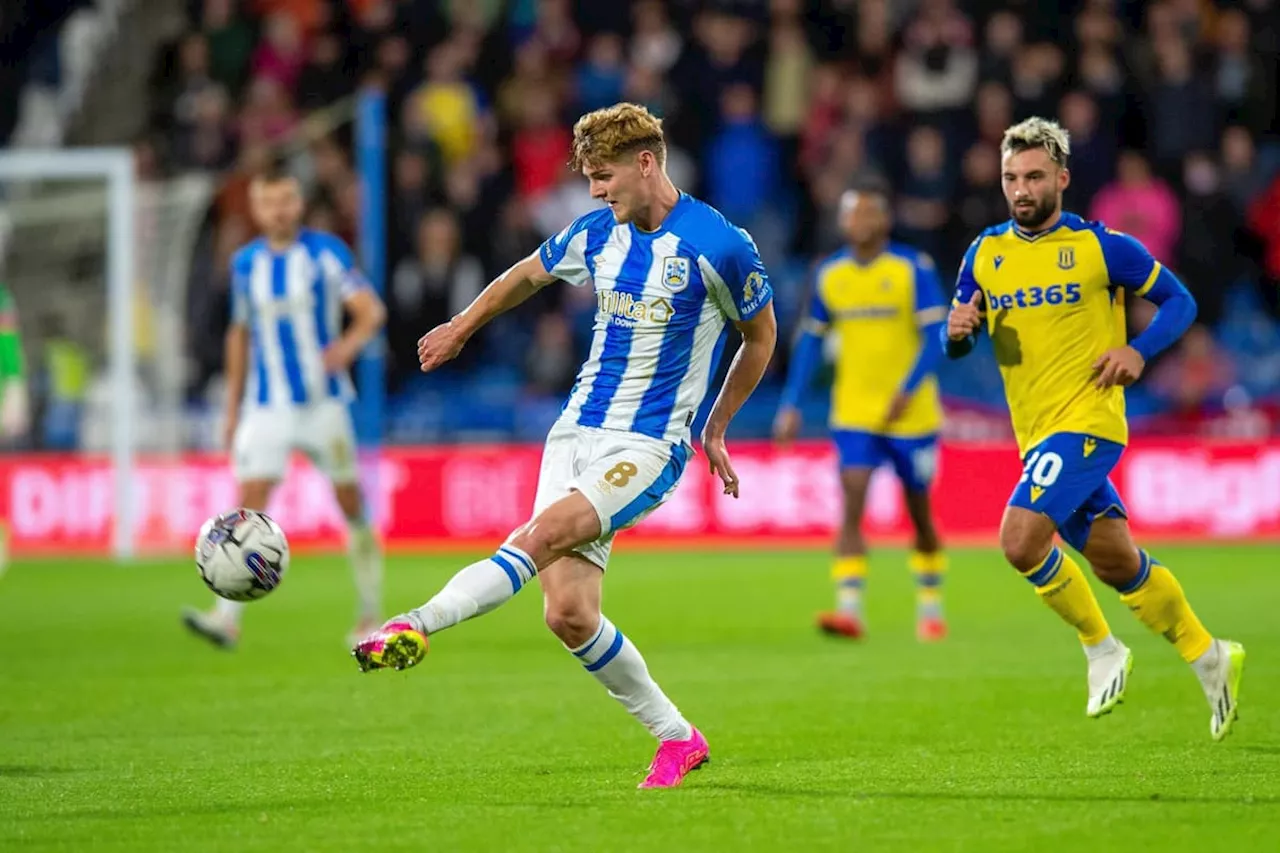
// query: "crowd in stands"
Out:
[772,107]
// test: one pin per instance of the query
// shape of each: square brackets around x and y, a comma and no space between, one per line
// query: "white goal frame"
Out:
[115,166]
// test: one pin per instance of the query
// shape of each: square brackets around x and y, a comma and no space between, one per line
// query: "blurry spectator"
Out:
[411,196]
[979,202]
[1176,95]
[565,202]
[192,81]
[824,113]
[937,69]
[865,115]
[1142,206]
[786,76]
[926,191]
[551,363]
[430,286]
[741,164]
[1242,176]
[541,147]
[1002,39]
[1243,88]
[1037,77]
[205,142]
[1209,224]
[719,59]
[230,40]
[875,30]
[1102,77]
[281,53]
[655,44]
[1196,374]
[557,31]
[324,78]
[444,108]
[532,73]
[648,89]
[1093,152]
[268,115]
[1264,223]
[513,237]
[993,112]
[602,74]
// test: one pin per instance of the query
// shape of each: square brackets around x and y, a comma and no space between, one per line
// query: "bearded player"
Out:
[669,272]
[1048,288]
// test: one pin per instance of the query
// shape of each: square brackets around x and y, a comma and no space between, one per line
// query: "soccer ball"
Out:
[242,555]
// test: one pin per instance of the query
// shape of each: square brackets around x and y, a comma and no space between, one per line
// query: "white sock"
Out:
[616,663]
[477,589]
[228,611]
[366,567]
[1106,646]
[1206,666]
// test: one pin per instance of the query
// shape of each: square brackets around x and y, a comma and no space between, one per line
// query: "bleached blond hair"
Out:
[1038,132]
[610,134]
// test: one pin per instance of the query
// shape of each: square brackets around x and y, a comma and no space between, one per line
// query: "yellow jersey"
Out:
[885,314]
[1052,309]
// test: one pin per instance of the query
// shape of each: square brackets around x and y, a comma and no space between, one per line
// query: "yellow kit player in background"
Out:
[884,303]
[1046,285]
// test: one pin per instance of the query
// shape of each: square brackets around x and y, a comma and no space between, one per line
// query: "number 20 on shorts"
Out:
[1042,469]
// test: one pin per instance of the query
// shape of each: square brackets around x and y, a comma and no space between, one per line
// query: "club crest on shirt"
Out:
[675,273]
[1066,258]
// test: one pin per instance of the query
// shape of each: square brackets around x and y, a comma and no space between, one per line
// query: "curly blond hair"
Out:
[610,134]
[1038,132]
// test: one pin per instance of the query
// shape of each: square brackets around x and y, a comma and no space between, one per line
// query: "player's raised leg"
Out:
[849,568]
[571,594]
[221,625]
[1027,540]
[1154,595]
[484,585]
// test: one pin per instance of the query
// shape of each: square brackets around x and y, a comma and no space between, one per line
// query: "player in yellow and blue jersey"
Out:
[884,303]
[1048,287]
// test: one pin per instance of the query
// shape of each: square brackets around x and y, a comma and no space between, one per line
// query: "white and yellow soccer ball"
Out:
[242,555]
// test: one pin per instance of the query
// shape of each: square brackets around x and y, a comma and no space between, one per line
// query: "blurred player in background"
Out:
[288,388]
[668,272]
[1047,286]
[884,303]
[15,404]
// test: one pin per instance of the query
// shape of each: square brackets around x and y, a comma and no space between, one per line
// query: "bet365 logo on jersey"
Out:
[1034,297]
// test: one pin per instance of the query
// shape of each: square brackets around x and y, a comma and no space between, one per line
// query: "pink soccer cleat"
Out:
[675,760]
[396,645]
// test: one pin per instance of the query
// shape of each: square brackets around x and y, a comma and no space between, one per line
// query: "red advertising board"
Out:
[471,497]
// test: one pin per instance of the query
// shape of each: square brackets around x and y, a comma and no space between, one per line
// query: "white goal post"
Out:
[115,167]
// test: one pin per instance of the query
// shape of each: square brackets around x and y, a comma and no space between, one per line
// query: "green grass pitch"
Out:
[120,732]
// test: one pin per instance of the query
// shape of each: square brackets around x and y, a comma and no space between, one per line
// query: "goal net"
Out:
[99,265]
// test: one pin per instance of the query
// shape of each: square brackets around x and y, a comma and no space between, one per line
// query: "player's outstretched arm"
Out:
[236,367]
[759,336]
[959,334]
[444,342]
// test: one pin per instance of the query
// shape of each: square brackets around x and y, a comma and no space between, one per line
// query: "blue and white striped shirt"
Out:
[662,301]
[292,303]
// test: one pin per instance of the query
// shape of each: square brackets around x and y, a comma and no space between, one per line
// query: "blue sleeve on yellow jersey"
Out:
[930,314]
[1175,312]
[1131,266]
[966,286]
[808,350]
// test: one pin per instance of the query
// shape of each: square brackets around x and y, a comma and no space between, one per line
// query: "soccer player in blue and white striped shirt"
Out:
[669,272]
[288,388]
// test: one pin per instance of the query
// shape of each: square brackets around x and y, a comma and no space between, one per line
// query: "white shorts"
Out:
[624,475]
[323,431]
